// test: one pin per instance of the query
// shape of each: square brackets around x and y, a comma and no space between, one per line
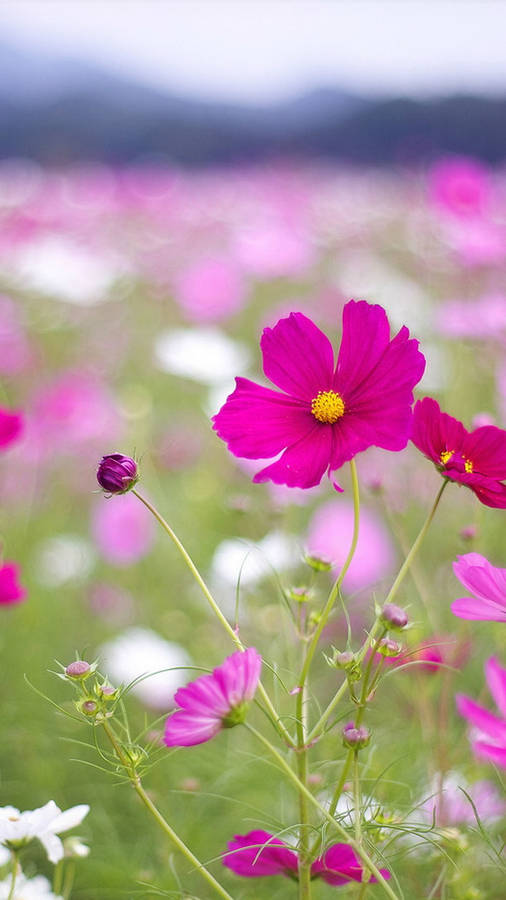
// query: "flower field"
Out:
[267,647]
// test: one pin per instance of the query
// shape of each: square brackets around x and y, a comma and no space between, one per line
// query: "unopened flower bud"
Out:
[344,659]
[299,594]
[107,692]
[393,616]
[78,669]
[88,707]
[74,848]
[356,738]
[388,647]
[192,785]
[317,563]
[117,474]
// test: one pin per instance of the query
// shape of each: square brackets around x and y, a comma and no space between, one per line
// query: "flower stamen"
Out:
[327,407]
[446,456]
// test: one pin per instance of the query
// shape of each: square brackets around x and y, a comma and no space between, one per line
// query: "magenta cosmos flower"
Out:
[258,854]
[214,702]
[326,413]
[489,740]
[476,459]
[11,427]
[11,591]
[487,583]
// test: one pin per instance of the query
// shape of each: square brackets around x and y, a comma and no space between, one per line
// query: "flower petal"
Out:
[189,729]
[490,752]
[496,680]
[258,423]
[486,447]
[478,610]
[481,718]
[366,335]
[302,464]
[480,577]
[52,845]
[259,854]
[69,818]
[298,357]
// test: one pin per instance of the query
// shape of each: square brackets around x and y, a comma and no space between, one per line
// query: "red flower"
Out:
[476,458]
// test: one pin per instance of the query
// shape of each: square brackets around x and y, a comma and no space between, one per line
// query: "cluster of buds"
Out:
[97,701]
[356,737]
[346,660]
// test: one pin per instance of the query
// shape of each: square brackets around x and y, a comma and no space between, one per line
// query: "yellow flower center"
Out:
[446,456]
[327,407]
[468,466]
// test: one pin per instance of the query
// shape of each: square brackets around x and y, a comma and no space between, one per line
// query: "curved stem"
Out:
[343,834]
[164,825]
[215,608]
[403,571]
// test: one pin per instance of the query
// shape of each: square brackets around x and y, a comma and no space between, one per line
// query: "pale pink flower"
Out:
[329,537]
[210,289]
[123,530]
[489,731]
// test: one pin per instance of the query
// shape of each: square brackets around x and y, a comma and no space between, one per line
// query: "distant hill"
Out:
[58,110]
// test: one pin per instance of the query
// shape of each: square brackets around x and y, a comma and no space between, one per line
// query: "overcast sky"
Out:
[255,50]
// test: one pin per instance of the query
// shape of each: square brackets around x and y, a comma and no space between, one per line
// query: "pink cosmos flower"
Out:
[489,740]
[482,318]
[487,583]
[326,414]
[450,806]
[329,536]
[460,186]
[210,290]
[123,530]
[258,854]
[11,427]
[476,459]
[11,591]
[214,702]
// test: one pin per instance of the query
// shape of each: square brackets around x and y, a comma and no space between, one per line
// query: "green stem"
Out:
[403,571]
[215,608]
[14,870]
[334,593]
[356,798]
[69,880]
[302,770]
[58,877]
[164,825]
[343,834]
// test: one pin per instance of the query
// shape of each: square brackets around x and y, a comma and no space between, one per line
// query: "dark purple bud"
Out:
[78,669]
[117,474]
[356,738]
[393,616]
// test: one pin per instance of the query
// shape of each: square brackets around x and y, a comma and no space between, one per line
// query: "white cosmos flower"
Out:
[207,355]
[37,888]
[46,823]
[234,556]
[139,651]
